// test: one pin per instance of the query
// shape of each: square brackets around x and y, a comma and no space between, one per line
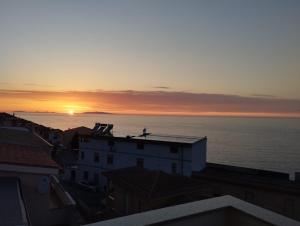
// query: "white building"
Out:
[171,154]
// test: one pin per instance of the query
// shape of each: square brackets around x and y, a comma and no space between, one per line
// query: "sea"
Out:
[262,143]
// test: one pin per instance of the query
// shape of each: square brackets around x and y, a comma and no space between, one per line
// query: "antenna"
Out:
[144,134]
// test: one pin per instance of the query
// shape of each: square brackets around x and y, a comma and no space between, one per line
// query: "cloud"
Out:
[263,95]
[154,102]
[4,83]
[162,87]
[36,85]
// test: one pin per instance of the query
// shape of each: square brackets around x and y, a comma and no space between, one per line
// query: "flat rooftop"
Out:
[170,138]
[12,207]
[153,139]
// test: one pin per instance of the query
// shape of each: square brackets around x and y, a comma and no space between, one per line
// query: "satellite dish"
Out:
[44,184]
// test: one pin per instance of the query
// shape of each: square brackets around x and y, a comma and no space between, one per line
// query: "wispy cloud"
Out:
[264,95]
[162,87]
[4,83]
[156,102]
[37,85]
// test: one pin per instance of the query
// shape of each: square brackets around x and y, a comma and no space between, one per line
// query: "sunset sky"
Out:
[189,57]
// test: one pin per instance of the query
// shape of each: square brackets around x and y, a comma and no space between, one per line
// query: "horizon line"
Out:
[211,114]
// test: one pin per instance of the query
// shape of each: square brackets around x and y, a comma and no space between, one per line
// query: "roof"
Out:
[24,155]
[152,184]
[80,130]
[170,138]
[205,212]
[69,134]
[21,136]
[4,115]
[160,139]
[12,207]
[56,131]
[248,177]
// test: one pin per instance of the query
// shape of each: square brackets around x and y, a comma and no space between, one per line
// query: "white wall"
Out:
[199,155]
[125,154]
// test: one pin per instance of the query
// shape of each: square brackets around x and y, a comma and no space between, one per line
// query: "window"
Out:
[174,149]
[140,162]
[84,139]
[73,175]
[82,155]
[140,146]
[86,175]
[174,168]
[110,159]
[96,178]
[96,157]
[111,143]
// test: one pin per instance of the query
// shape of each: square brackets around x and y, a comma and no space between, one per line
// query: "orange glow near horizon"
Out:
[147,103]
[71,112]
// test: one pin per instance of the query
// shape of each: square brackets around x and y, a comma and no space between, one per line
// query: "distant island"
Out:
[53,112]
[96,112]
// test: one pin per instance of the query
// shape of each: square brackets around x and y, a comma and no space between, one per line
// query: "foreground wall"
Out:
[285,203]
[43,209]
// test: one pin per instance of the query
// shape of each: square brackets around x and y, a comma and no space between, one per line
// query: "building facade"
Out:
[170,154]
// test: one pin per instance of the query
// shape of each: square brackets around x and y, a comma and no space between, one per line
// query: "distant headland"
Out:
[96,112]
[53,112]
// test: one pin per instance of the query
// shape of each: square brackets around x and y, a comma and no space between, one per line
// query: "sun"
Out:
[71,112]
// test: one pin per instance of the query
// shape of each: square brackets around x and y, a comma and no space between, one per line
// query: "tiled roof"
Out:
[24,155]
[69,134]
[152,184]
[80,130]
[21,137]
